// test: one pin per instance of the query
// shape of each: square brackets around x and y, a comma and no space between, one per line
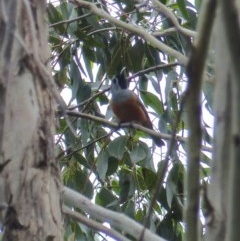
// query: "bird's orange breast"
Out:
[131,110]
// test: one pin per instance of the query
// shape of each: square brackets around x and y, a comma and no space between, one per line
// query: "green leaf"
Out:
[193,19]
[137,154]
[75,79]
[174,182]
[130,209]
[170,191]
[102,164]
[197,4]
[150,179]
[136,55]
[72,27]
[206,137]
[208,88]
[154,81]
[55,16]
[162,199]
[166,228]
[85,135]
[171,77]
[88,56]
[152,55]
[117,147]
[183,9]
[174,101]
[83,93]
[65,9]
[139,215]
[143,83]
[89,67]
[148,160]
[124,184]
[81,183]
[152,100]
[82,160]
[105,198]
[112,166]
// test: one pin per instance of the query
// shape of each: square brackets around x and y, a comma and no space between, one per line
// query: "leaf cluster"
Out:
[119,171]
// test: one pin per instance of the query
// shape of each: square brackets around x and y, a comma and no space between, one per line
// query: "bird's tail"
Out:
[158,141]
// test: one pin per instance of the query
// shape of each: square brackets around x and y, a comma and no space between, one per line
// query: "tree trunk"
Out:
[29,175]
[224,191]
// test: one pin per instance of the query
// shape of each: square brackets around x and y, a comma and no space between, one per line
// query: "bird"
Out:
[127,107]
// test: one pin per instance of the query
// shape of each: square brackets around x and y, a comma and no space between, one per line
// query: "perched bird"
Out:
[127,107]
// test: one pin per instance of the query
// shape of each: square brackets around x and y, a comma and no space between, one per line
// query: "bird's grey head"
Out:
[119,89]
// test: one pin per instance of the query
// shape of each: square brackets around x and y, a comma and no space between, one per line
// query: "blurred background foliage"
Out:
[119,171]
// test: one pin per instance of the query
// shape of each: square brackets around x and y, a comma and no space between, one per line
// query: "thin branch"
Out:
[115,219]
[70,21]
[195,70]
[89,144]
[111,124]
[102,30]
[89,100]
[160,7]
[93,224]
[133,29]
[164,32]
[153,69]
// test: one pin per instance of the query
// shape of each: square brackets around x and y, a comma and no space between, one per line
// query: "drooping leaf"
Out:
[152,101]
[105,198]
[183,8]
[116,148]
[102,164]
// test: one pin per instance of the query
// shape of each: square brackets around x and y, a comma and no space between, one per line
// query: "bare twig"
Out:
[160,7]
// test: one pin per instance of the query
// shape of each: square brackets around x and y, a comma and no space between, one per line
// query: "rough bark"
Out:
[29,176]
